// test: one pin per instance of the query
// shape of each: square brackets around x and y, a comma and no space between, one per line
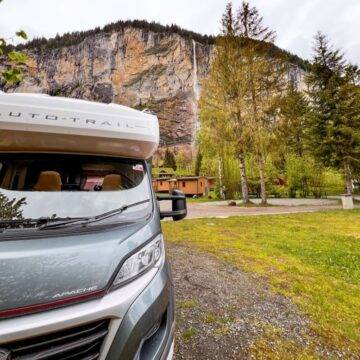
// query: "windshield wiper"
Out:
[12,222]
[89,220]
[29,223]
[16,224]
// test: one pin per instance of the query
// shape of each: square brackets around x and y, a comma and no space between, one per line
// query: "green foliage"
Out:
[334,120]
[231,175]
[189,333]
[74,38]
[13,76]
[294,145]
[291,129]
[240,97]
[303,177]
[169,160]
[182,164]
[294,176]
[17,57]
[22,34]
[229,170]
[158,171]
[14,61]
[198,163]
[11,209]
[333,182]
[311,258]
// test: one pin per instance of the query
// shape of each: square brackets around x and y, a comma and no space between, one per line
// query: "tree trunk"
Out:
[349,188]
[262,179]
[244,182]
[221,184]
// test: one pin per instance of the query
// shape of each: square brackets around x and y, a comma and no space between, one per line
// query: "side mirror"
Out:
[179,209]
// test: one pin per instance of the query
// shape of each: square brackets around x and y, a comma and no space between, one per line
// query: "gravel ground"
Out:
[221,209]
[201,210]
[286,202]
[223,313]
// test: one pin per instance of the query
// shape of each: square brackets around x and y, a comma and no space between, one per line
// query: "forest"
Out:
[263,134]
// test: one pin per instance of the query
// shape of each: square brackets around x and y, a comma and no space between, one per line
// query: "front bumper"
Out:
[141,316]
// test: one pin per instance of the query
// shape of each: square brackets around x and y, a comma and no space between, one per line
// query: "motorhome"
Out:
[83,271]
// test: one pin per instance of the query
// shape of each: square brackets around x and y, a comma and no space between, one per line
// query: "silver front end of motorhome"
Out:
[133,322]
[83,270]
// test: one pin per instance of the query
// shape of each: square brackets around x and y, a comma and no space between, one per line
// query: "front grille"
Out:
[79,343]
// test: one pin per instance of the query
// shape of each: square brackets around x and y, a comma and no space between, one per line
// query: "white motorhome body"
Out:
[82,261]
[36,122]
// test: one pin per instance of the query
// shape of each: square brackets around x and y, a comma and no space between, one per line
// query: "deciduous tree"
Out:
[263,79]
[221,103]
[15,60]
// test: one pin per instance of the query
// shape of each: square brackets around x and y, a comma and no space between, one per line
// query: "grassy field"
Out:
[313,258]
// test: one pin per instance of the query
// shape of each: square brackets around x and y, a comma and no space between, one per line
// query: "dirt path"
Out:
[223,313]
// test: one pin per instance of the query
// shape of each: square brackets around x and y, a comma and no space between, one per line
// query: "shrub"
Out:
[334,182]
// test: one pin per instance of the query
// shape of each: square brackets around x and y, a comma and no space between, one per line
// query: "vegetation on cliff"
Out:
[76,37]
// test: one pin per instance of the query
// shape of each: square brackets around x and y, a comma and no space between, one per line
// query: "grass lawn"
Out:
[313,258]
[201,199]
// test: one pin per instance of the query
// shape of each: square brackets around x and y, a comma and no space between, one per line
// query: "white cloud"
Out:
[295,21]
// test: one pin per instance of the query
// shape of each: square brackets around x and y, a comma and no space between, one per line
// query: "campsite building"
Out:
[190,185]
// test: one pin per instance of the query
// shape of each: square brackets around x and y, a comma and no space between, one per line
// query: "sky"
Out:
[295,21]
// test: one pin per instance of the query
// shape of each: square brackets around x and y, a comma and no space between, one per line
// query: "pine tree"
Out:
[334,120]
[228,23]
[291,129]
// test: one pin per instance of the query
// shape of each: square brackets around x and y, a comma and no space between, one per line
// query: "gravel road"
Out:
[221,209]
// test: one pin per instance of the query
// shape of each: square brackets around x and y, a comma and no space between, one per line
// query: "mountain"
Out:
[138,64]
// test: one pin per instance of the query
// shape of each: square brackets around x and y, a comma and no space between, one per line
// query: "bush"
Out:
[334,183]
[303,177]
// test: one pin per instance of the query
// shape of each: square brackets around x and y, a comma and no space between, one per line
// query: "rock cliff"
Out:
[134,66]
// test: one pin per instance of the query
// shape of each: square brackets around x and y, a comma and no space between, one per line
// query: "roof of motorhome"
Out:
[31,122]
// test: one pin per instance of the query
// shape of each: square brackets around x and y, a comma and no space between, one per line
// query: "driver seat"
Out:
[48,181]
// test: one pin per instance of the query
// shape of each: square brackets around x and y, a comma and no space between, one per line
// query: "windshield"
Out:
[51,186]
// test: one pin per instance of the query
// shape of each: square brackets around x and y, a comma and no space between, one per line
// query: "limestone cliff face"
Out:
[133,67]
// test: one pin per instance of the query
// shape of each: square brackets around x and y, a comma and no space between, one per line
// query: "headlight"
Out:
[149,256]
